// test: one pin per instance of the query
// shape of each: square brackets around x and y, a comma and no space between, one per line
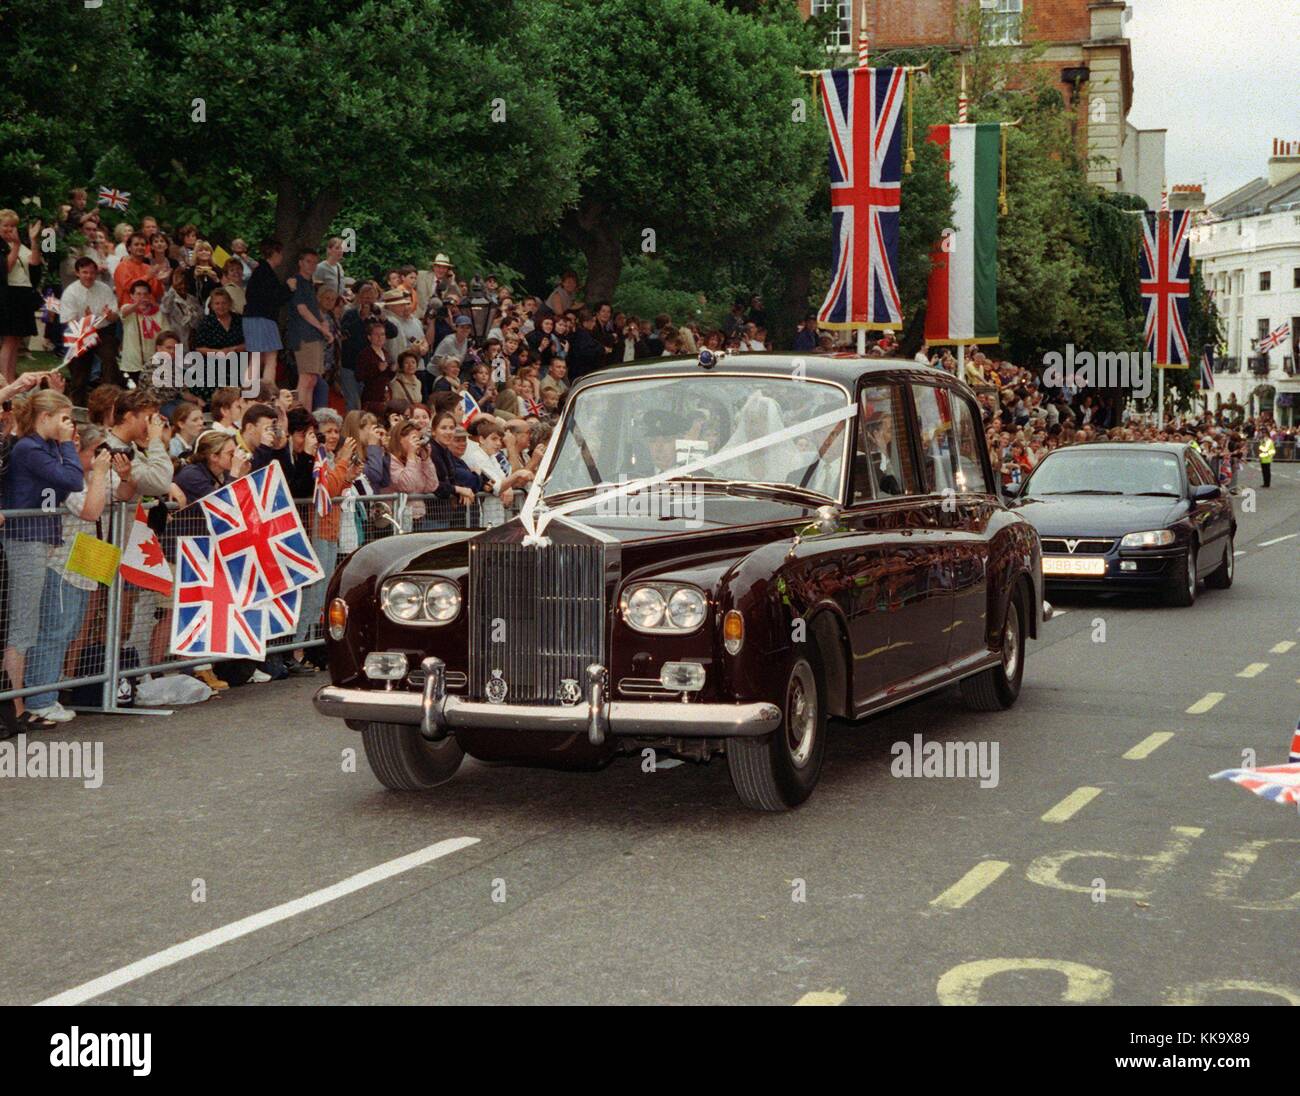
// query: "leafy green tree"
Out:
[322,105]
[686,111]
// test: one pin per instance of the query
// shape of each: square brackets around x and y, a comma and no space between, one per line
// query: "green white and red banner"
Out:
[962,305]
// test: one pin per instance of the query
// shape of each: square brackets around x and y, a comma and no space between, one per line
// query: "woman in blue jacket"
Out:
[44,469]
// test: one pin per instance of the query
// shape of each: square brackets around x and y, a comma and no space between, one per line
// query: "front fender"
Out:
[356,581]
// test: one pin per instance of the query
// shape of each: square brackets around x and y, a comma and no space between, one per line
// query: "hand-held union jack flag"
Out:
[320,492]
[79,336]
[864,109]
[1165,272]
[206,618]
[468,410]
[1207,371]
[280,615]
[255,525]
[114,198]
[1280,783]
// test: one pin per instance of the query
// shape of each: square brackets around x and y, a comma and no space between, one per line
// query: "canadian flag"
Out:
[143,562]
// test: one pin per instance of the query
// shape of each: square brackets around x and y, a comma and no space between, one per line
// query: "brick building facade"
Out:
[1085,52]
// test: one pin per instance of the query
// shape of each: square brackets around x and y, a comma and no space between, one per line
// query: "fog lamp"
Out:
[1128,565]
[682,677]
[386,665]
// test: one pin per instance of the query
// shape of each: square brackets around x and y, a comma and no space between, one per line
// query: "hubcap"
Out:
[1011,643]
[801,715]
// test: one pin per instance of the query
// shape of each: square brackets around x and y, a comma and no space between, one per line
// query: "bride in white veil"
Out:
[759,417]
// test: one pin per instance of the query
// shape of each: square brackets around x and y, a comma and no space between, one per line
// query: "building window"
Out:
[1265,280]
[841,38]
[1000,22]
[1263,329]
[1295,278]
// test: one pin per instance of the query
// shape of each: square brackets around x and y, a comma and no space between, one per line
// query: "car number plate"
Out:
[1092,566]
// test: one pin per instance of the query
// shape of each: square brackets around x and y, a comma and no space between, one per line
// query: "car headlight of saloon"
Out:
[420,599]
[663,608]
[1154,538]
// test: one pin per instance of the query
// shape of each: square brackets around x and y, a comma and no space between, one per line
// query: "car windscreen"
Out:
[1106,472]
[627,430]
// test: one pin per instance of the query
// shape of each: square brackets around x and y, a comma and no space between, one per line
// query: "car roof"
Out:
[1174,447]
[844,368]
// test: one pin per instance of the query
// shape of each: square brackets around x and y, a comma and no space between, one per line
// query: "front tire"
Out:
[1221,577]
[998,687]
[405,761]
[780,771]
[1182,592]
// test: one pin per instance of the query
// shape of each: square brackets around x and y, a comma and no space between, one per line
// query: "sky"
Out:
[1223,76]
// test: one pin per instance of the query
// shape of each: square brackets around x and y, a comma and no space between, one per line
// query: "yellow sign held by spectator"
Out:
[94,559]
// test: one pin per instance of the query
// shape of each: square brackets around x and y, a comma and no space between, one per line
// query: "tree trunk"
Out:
[793,305]
[596,235]
[300,224]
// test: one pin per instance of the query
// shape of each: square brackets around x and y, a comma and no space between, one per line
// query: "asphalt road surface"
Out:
[233,855]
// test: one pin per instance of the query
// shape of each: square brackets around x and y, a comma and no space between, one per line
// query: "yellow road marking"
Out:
[1254,669]
[823,997]
[1148,745]
[1282,647]
[1072,804]
[969,885]
[1208,701]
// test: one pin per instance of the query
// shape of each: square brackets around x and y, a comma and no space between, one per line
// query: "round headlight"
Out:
[686,609]
[442,601]
[401,600]
[645,608]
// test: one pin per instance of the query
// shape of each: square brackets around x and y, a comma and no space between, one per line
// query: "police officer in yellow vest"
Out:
[1266,451]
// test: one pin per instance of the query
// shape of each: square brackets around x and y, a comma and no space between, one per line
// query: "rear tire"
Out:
[403,760]
[781,770]
[1221,577]
[997,688]
[1182,591]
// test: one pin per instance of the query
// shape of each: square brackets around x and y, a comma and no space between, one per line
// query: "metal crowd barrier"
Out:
[90,637]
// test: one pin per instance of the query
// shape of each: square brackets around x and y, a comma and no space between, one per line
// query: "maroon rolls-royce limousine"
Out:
[718,556]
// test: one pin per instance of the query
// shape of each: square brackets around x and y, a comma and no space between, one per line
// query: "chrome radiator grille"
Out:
[537,615]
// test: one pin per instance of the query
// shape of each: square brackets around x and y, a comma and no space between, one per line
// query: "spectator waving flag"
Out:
[79,336]
[1276,337]
[532,407]
[320,492]
[1165,273]
[114,198]
[864,110]
[468,409]
[255,526]
[206,616]
[143,562]
[1207,372]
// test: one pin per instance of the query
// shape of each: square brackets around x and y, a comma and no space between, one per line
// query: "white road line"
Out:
[1253,670]
[209,940]
[1281,648]
[1278,540]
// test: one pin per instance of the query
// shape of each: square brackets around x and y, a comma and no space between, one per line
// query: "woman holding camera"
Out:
[44,469]
[19,298]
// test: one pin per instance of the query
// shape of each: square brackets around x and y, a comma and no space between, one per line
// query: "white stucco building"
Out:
[1247,246]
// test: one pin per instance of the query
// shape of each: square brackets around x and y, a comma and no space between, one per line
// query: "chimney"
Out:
[1187,196]
[1284,162]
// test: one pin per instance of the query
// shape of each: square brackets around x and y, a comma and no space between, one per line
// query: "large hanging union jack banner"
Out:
[1165,272]
[864,109]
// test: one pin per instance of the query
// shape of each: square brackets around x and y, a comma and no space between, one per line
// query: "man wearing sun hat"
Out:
[430,284]
[410,331]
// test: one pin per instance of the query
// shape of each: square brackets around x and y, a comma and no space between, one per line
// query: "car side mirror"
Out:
[1203,492]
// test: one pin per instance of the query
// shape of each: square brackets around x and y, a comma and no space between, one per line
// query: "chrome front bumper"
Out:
[436,713]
